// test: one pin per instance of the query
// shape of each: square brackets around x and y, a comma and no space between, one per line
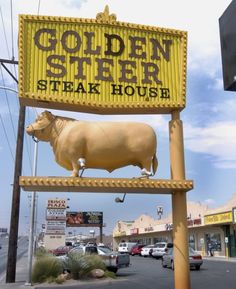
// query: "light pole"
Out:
[32,221]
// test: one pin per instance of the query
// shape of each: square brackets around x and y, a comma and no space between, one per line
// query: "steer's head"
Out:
[41,128]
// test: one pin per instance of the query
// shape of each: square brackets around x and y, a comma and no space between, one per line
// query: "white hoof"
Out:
[145,172]
[82,162]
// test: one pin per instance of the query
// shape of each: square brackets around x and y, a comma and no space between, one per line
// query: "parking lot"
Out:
[147,273]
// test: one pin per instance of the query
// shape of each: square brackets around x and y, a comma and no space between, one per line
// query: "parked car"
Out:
[136,250]
[195,259]
[62,250]
[146,250]
[125,247]
[160,249]
[112,260]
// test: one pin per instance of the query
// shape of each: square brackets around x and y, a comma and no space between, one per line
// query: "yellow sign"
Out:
[119,234]
[101,66]
[218,218]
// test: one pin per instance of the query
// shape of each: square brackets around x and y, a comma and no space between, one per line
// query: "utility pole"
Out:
[15,209]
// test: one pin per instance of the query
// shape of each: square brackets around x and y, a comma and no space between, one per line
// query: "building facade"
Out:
[210,230]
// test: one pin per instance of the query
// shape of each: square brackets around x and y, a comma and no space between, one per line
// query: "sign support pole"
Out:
[179,205]
[100,235]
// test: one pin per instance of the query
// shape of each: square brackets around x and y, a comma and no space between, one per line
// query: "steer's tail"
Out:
[154,164]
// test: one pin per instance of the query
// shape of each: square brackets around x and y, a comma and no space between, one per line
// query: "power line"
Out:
[9,110]
[5,37]
[4,32]
[12,39]
[8,142]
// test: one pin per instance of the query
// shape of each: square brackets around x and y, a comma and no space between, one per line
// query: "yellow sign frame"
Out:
[125,68]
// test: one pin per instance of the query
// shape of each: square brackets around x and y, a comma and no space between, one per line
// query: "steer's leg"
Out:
[146,168]
[75,170]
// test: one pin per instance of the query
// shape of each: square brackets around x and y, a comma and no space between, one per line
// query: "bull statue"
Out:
[99,145]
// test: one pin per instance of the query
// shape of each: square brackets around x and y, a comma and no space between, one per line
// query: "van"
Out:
[125,247]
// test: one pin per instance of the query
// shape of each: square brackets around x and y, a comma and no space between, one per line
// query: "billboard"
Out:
[84,219]
[227,24]
[3,230]
[101,65]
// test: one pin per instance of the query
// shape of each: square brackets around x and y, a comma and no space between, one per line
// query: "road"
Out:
[147,273]
[22,248]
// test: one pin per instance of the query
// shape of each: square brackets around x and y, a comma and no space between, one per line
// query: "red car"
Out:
[62,250]
[136,250]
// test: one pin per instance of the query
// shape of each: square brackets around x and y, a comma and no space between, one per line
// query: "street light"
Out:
[119,200]
[159,211]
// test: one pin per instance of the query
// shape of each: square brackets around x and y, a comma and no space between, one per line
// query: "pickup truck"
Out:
[113,260]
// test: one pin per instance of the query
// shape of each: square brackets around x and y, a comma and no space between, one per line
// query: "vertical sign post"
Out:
[179,205]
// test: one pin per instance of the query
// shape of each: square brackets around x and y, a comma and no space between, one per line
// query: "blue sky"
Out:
[209,117]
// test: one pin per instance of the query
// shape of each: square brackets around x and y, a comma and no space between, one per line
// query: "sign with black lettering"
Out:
[101,66]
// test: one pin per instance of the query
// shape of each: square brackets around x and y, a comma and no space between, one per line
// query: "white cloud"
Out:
[218,140]
[225,109]
[209,202]
[217,84]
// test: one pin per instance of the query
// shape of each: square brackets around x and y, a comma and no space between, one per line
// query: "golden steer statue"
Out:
[99,145]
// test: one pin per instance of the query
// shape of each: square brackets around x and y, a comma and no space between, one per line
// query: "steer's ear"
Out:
[48,115]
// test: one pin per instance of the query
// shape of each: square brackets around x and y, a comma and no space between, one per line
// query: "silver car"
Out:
[195,259]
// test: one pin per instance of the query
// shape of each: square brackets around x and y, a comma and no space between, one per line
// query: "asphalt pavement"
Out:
[21,275]
[22,271]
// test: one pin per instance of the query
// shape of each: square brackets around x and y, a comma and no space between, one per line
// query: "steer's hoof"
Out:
[74,175]
[146,173]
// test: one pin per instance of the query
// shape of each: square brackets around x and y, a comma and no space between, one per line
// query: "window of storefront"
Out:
[147,241]
[160,239]
[192,242]
[213,240]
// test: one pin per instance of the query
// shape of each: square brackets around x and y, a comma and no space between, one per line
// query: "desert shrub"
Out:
[91,262]
[80,265]
[46,268]
[57,280]
[41,252]
[110,274]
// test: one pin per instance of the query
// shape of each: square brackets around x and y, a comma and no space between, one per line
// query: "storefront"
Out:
[210,233]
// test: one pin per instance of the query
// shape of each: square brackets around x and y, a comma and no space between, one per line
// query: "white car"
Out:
[160,249]
[145,252]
